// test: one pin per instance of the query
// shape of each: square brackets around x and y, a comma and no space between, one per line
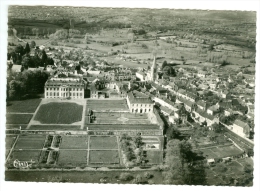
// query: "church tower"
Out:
[153,69]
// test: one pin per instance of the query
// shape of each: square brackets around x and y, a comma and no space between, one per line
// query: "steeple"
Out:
[153,69]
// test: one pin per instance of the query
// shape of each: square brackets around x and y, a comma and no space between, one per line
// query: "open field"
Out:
[119,118]
[74,142]
[72,157]
[9,141]
[104,157]
[221,151]
[103,142]
[18,118]
[30,142]
[24,155]
[122,127]
[59,113]
[24,106]
[55,127]
[109,105]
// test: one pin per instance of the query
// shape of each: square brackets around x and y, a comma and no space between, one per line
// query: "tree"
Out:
[32,44]
[211,47]
[164,64]
[26,62]
[27,48]
[44,58]
[138,141]
[19,50]
[180,161]
[172,133]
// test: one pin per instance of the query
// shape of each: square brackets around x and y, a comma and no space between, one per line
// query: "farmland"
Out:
[18,118]
[30,142]
[102,142]
[24,106]
[72,157]
[59,113]
[74,142]
[103,157]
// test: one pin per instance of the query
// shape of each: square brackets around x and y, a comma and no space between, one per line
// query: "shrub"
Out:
[139,179]
[125,176]
[148,175]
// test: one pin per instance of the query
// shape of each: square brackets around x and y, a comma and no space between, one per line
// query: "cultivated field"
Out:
[59,113]
[107,105]
[120,118]
[221,151]
[30,142]
[104,157]
[25,155]
[18,118]
[55,127]
[72,157]
[103,142]
[122,127]
[25,106]
[74,142]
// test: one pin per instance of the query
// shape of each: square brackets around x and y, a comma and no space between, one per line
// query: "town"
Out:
[129,105]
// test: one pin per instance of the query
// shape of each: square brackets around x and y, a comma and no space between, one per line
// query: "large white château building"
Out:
[65,88]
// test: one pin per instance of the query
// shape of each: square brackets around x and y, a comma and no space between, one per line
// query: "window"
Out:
[58,94]
[47,94]
[54,94]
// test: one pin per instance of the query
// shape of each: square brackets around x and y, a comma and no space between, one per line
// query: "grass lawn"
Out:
[72,157]
[59,113]
[105,156]
[18,118]
[113,105]
[9,141]
[55,127]
[25,155]
[30,142]
[74,142]
[103,142]
[154,157]
[24,106]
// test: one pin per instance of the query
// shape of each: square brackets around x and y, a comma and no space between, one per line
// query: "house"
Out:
[166,111]
[141,76]
[201,117]
[16,68]
[202,105]
[241,128]
[189,106]
[202,74]
[139,102]
[213,109]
